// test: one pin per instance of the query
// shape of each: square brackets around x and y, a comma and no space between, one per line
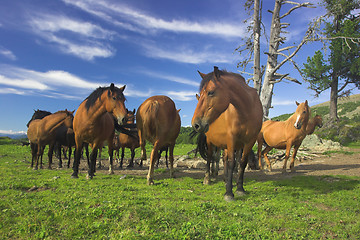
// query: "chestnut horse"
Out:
[284,135]
[314,122]
[158,122]
[128,141]
[225,92]
[94,124]
[38,114]
[42,132]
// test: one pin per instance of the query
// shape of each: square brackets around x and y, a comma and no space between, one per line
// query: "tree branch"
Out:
[298,5]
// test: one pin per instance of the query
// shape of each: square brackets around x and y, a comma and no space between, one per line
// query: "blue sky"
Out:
[53,54]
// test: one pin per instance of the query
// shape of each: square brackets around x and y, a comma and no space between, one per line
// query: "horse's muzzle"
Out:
[200,127]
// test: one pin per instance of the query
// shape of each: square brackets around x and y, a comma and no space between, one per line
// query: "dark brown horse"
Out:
[314,122]
[284,135]
[158,122]
[225,92]
[94,123]
[128,141]
[42,132]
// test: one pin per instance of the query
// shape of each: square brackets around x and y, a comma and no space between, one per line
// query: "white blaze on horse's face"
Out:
[297,125]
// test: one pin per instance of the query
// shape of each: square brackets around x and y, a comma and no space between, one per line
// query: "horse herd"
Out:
[228,115]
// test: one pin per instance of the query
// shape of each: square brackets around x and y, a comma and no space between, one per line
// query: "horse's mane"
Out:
[38,114]
[96,94]
[210,77]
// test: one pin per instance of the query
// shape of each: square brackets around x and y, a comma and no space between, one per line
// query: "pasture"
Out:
[48,204]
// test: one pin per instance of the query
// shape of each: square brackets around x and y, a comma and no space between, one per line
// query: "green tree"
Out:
[342,65]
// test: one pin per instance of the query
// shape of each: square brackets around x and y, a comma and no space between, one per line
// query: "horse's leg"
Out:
[111,154]
[260,142]
[132,155]
[207,179]
[93,155]
[99,160]
[78,152]
[33,153]
[153,157]
[50,153]
[122,156]
[171,159]
[264,153]
[229,196]
[287,155]
[131,163]
[166,157]
[60,161]
[292,168]
[38,152]
[142,142]
[243,162]
[68,164]
[215,159]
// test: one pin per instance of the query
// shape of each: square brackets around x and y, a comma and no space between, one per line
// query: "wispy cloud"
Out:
[86,40]
[187,54]
[137,20]
[171,78]
[7,53]
[181,95]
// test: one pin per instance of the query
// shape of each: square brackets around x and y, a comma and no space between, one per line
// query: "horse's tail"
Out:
[149,115]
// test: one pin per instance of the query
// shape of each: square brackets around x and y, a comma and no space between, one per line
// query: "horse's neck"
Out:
[96,111]
[290,122]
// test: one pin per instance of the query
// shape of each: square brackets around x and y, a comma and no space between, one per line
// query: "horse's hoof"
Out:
[229,198]
[240,193]
[150,182]
[89,177]
[206,181]
[35,168]
[74,176]
[111,172]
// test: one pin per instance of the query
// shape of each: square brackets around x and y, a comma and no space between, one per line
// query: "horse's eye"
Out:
[304,112]
[114,98]
[211,93]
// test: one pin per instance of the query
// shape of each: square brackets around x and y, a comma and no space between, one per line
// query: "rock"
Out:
[317,144]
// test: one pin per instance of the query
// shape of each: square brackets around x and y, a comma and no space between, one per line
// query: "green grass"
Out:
[108,207]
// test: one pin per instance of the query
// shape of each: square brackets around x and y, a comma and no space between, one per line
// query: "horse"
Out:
[314,122]
[128,141]
[166,150]
[95,121]
[38,114]
[42,132]
[284,135]
[225,95]
[158,122]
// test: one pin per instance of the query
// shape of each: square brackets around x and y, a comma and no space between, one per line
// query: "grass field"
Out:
[48,204]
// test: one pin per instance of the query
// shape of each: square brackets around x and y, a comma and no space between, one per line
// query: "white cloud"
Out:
[181,95]
[11,132]
[86,41]
[171,78]
[7,53]
[110,12]
[187,55]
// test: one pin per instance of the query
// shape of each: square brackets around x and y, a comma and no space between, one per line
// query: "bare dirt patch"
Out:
[321,165]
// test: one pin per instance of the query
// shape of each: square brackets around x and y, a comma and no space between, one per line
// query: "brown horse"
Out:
[94,123]
[127,141]
[158,122]
[38,114]
[314,122]
[284,135]
[225,92]
[42,132]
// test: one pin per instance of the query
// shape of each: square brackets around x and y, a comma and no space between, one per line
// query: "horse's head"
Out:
[115,103]
[130,116]
[213,100]
[302,114]
[318,121]
[69,118]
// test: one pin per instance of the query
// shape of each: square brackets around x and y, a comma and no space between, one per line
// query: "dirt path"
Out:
[335,164]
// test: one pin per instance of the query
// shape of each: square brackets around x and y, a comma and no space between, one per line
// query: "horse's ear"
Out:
[178,110]
[122,88]
[134,111]
[306,103]
[297,103]
[112,87]
[202,75]
[73,111]
[216,72]
[197,97]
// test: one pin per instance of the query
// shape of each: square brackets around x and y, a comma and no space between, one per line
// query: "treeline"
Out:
[184,136]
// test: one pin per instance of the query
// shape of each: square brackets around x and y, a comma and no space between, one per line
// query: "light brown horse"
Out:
[284,135]
[42,132]
[127,141]
[158,122]
[94,123]
[314,122]
[225,92]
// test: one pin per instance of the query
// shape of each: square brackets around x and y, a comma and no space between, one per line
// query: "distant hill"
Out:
[13,135]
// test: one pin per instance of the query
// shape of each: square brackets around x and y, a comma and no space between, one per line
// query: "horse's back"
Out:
[273,133]
[157,117]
